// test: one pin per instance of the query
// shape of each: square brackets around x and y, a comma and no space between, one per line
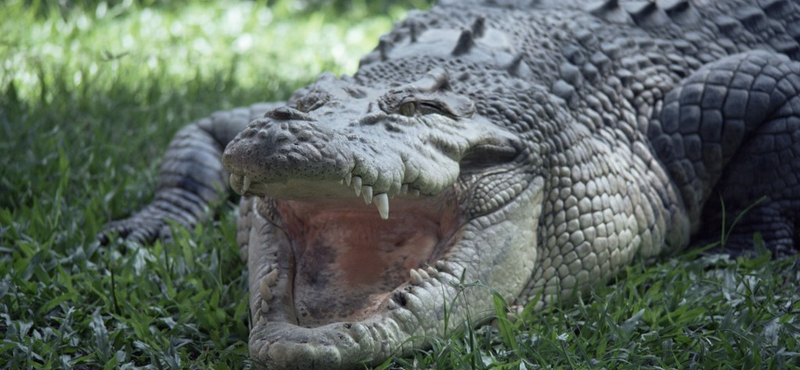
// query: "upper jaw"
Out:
[346,188]
[289,160]
[299,159]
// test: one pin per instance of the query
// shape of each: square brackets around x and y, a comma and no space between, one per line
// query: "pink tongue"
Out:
[347,262]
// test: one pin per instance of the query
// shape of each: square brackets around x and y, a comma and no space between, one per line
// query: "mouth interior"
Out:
[348,261]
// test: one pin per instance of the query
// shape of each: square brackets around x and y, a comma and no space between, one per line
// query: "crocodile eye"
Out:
[431,107]
[408,109]
[420,108]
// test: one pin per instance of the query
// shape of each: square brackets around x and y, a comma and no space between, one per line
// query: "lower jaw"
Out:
[390,327]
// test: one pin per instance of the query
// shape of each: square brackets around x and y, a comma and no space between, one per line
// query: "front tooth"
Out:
[245,184]
[404,189]
[264,307]
[382,202]
[271,278]
[348,178]
[366,190]
[416,279]
[357,184]
[266,292]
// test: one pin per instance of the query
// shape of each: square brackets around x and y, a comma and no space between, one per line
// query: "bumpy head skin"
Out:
[336,282]
[487,154]
[379,141]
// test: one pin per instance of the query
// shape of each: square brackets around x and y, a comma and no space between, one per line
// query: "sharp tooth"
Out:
[272,277]
[366,190]
[348,178]
[341,181]
[432,271]
[423,274]
[382,202]
[357,185]
[416,279]
[416,192]
[392,305]
[261,320]
[264,307]
[404,189]
[245,184]
[266,292]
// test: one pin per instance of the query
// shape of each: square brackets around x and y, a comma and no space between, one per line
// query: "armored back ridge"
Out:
[534,148]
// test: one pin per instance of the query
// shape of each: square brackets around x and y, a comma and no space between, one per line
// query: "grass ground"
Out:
[90,94]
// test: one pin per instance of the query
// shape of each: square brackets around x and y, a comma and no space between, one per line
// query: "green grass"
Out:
[688,312]
[90,94]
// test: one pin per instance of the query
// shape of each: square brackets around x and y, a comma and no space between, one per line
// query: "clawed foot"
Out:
[137,228]
[147,225]
[170,207]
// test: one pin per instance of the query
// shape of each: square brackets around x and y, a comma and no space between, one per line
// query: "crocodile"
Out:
[528,149]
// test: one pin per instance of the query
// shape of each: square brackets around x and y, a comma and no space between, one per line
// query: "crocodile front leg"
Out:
[190,178]
[729,136]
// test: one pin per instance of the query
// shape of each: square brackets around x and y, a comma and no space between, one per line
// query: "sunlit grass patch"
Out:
[94,46]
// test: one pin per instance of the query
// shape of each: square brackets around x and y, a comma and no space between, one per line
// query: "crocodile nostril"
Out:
[287,114]
[304,136]
[281,138]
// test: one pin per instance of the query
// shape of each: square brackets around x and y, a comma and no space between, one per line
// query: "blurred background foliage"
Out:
[308,6]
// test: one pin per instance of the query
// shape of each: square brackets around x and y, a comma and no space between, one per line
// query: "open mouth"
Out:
[342,259]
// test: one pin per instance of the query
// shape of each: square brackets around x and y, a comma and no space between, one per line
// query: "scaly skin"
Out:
[532,149]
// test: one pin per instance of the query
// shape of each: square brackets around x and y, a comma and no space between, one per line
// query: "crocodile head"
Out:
[370,209]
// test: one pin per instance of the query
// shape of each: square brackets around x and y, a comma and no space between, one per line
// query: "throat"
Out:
[348,261]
